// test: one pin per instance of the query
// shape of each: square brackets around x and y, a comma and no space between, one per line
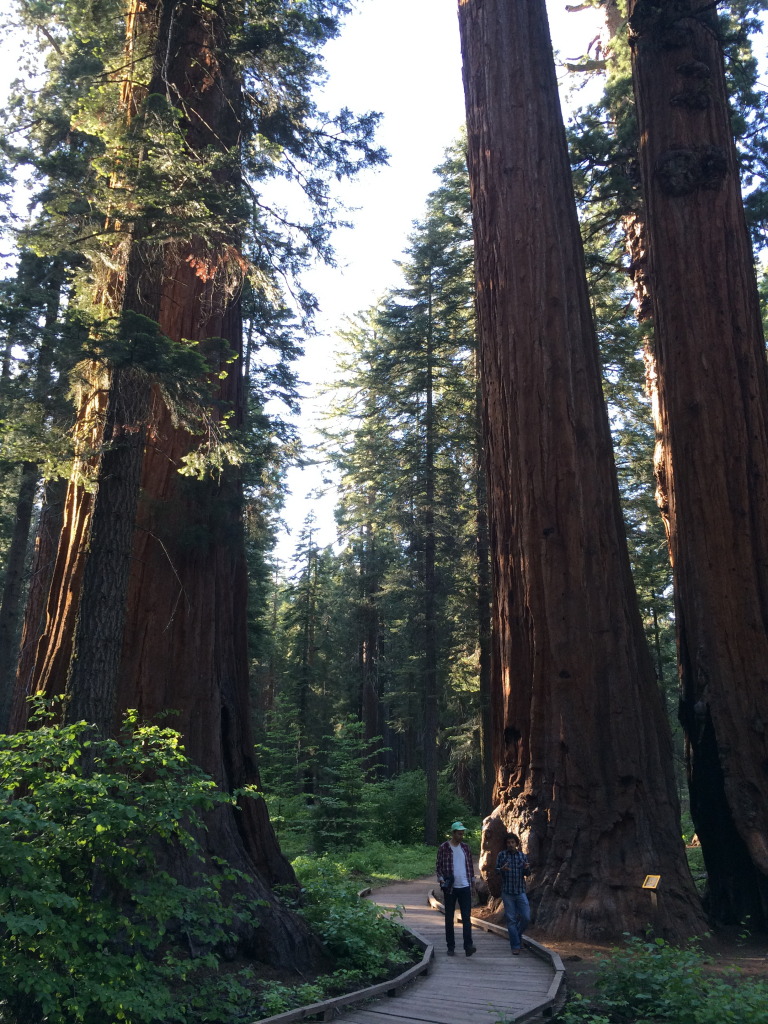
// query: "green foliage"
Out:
[405,446]
[336,816]
[653,982]
[95,927]
[354,930]
[277,997]
[396,806]
[279,756]
[697,867]
[340,815]
[381,860]
[357,821]
[96,930]
[367,940]
[42,344]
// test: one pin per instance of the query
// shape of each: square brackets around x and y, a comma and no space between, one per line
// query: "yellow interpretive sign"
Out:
[651,881]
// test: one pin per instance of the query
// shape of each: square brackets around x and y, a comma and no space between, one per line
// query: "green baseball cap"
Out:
[457,827]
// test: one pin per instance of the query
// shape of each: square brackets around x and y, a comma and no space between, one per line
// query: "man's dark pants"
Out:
[463,897]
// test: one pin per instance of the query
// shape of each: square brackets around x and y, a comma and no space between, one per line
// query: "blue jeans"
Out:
[463,897]
[518,913]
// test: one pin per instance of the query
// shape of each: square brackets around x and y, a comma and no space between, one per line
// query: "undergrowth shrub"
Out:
[354,930]
[92,929]
[379,861]
[654,982]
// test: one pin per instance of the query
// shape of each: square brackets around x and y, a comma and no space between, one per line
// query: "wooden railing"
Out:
[328,1008]
[555,993]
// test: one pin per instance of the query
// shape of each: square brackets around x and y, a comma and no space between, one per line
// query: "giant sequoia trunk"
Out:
[183,611]
[583,748]
[713,398]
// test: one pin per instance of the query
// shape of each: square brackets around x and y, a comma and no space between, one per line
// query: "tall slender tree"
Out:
[409,474]
[34,302]
[583,747]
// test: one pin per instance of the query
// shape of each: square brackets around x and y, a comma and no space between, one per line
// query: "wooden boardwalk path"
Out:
[490,986]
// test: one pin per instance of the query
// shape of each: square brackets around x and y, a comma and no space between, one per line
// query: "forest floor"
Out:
[726,950]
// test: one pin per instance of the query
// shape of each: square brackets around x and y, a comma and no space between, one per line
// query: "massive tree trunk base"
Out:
[281,938]
[737,892]
[599,913]
[582,747]
[269,933]
[587,877]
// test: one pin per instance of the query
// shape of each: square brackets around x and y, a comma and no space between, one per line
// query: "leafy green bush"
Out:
[396,807]
[653,982]
[93,929]
[277,997]
[355,931]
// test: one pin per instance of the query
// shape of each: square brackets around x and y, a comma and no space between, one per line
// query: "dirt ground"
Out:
[727,950]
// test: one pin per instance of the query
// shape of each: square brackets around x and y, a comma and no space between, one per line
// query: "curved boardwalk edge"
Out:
[556,992]
[328,1008]
[480,989]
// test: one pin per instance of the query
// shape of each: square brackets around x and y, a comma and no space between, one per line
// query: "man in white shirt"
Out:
[456,875]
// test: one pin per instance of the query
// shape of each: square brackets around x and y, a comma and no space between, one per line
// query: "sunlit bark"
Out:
[182,608]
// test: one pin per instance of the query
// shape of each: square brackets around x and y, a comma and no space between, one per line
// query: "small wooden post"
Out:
[651,882]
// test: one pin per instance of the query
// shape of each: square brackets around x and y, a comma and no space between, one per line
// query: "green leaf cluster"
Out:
[652,982]
[353,930]
[344,814]
[95,924]
[340,814]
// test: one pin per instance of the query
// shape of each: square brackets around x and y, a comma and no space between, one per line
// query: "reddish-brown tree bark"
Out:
[183,611]
[713,404]
[41,574]
[582,744]
[484,598]
[11,600]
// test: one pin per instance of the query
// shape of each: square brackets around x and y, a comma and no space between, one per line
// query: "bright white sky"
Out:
[400,57]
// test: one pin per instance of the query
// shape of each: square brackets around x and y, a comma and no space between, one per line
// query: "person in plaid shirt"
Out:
[456,875]
[512,865]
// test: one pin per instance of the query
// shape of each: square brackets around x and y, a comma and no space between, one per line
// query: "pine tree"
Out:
[409,469]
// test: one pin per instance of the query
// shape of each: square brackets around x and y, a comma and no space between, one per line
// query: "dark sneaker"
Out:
[449,952]
[470,950]
[515,952]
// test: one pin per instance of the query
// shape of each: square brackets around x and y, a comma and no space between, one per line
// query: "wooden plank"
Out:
[453,1016]
[480,989]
